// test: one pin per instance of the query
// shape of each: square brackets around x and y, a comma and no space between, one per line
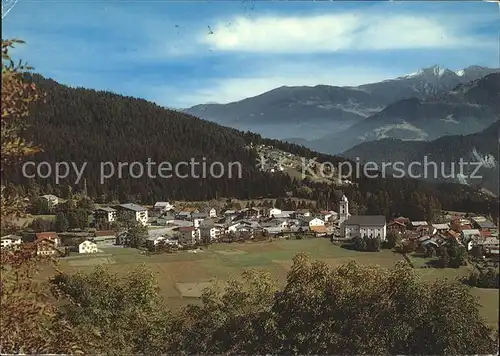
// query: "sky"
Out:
[179,54]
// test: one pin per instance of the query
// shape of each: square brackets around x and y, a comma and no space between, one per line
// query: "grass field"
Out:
[183,275]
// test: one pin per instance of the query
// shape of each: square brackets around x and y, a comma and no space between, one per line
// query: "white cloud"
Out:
[225,90]
[337,32]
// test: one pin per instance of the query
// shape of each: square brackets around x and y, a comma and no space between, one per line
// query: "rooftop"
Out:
[366,220]
[11,237]
[133,207]
[106,208]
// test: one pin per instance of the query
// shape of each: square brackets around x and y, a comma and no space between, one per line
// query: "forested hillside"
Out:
[81,125]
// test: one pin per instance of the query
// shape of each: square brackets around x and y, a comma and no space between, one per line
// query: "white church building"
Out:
[360,225]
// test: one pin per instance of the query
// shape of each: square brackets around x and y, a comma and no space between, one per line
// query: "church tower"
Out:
[343,214]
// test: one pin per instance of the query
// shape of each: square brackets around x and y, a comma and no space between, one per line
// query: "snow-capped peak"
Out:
[436,70]
[460,72]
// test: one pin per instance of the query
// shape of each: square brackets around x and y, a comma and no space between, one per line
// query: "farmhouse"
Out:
[10,241]
[189,235]
[360,225]
[273,212]
[52,236]
[46,246]
[104,215]
[87,247]
[133,212]
[162,207]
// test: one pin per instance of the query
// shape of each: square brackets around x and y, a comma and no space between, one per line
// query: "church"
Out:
[360,225]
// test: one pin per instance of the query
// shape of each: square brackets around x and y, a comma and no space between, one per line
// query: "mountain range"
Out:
[465,109]
[301,114]
[480,150]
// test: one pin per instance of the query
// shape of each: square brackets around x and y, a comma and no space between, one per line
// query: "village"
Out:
[165,226]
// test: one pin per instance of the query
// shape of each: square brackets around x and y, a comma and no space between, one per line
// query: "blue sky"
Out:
[179,54]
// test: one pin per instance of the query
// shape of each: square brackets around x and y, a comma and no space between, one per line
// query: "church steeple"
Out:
[343,214]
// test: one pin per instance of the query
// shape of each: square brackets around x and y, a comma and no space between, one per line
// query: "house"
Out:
[87,247]
[133,212]
[251,213]
[209,231]
[152,241]
[104,237]
[162,207]
[485,225]
[212,213]
[284,214]
[273,230]
[417,224]
[51,200]
[315,222]
[199,216]
[10,241]
[302,213]
[327,216]
[104,215]
[52,236]
[439,228]
[470,234]
[189,235]
[46,247]
[397,225]
[184,215]
[273,212]
[360,225]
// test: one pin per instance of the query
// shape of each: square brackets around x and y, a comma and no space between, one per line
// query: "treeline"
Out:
[81,125]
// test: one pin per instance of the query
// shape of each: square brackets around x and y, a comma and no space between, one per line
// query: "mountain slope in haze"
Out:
[307,112]
[77,125]
[481,148]
[466,109]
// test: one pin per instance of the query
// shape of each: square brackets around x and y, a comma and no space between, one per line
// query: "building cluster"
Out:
[190,226]
[467,231]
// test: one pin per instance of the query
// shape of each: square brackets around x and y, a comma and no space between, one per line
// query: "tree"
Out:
[421,250]
[477,251]
[444,257]
[42,225]
[392,239]
[137,234]
[458,255]
[126,310]
[61,223]
[17,96]
[350,310]
[430,252]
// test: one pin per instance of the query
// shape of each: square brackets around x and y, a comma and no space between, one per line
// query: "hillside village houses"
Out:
[87,247]
[104,215]
[10,241]
[133,212]
[189,226]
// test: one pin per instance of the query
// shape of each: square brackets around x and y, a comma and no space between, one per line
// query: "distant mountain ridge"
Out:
[481,147]
[308,112]
[465,109]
